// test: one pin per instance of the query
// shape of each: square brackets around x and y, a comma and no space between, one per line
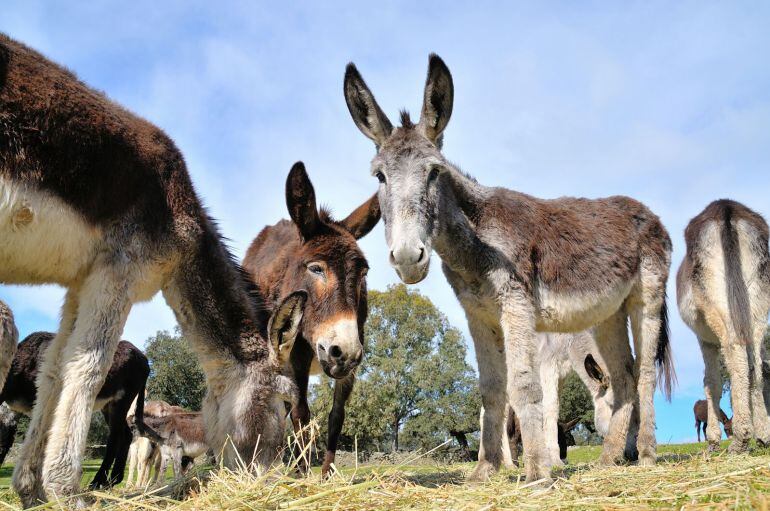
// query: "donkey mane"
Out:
[406,120]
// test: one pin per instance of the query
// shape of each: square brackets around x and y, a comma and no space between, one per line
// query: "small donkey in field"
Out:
[723,290]
[125,382]
[700,410]
[99,201]
[520,265]
[320,255]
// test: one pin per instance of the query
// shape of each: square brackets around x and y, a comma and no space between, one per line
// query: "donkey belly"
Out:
[576,311]
[42,240]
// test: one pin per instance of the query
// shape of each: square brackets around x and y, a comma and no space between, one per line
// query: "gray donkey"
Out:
[520,265]
[723,290]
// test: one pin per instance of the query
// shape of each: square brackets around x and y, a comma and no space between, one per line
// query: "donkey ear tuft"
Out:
[284,324]
[364,109]
[300,200]
[364,218]
[438,99]
[595,371]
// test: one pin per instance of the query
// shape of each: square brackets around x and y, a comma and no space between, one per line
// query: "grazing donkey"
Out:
[184,440]
[723,290]
[520,265]
[512,439]
[700,410]
[99,201]
[9,336]
[9,422]
[320,255]
[558,355]
[125,382]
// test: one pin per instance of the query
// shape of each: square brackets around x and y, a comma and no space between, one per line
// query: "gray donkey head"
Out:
[408,165]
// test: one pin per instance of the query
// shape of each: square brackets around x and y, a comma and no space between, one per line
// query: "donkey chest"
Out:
[42,239]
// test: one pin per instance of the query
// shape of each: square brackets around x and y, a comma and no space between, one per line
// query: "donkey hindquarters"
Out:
[99,201]
[723,290]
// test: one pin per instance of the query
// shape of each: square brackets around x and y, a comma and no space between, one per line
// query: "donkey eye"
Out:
[433,174]
[315,269]
[380,176]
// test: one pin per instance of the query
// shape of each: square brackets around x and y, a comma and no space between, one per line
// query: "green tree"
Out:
[414,378]
[175,374]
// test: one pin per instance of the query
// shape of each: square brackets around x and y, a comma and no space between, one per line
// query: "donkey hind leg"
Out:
[492,372]
[104,307]
[712,387]
[761,421]
[100,479]
[133,472]
[615,350]
[523,384]
[121,456]
[645,308]
[27,474]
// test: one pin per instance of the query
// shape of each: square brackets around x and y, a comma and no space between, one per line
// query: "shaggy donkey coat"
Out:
[99,201]
[125,383]
[320,255]
[519,265]
[723,290]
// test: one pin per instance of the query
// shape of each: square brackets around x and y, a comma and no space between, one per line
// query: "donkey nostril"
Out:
[422,254]
[335,352]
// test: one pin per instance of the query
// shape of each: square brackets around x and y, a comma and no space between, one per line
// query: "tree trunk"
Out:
[395,435]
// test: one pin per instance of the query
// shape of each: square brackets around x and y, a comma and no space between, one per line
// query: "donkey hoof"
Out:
[481,473]
[712,447]
[738,446]
[647,461]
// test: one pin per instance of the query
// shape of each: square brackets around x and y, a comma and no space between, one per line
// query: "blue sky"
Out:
[666,102]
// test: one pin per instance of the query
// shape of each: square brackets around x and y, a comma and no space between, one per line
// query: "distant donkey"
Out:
[99,201]
[125,382]
[557,356]
[520,265]
[723,290]
[700,410]
[316,253]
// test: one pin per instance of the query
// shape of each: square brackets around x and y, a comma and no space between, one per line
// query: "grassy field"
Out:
[683,479]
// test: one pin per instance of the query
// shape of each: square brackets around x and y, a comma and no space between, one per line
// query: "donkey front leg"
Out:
[342,390]
[27,475]
[490,357]
[523,383]
[104,307]
[549,382]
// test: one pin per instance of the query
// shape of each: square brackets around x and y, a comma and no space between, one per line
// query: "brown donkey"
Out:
[520,265]
[315,253]
[99,201]
[723,290]
[125,383]
[700,410]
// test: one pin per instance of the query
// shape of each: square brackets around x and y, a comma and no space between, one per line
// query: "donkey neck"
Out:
[456,241]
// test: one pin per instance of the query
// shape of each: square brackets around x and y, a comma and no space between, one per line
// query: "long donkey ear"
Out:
[595,371]
[364,109]
[300,199]
[284,324]
[569,426]
[364,218]
[437,101]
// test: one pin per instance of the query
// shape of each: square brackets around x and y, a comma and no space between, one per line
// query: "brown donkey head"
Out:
[319,255]
[408,165]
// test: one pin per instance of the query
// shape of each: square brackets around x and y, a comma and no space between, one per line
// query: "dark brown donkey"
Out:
[700,410]
[99,201]
[318,254]
[125,382]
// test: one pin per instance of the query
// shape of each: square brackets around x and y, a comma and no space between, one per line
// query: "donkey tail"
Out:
[663,357]
[9,338]
[737,292]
